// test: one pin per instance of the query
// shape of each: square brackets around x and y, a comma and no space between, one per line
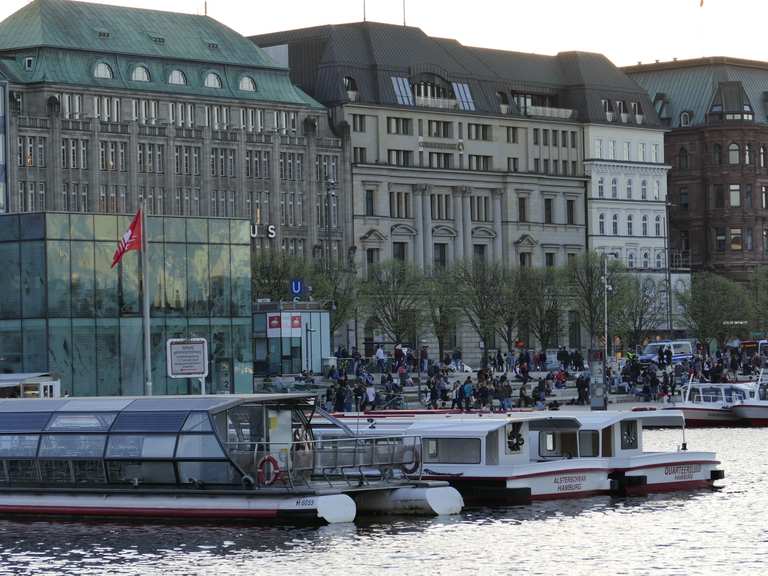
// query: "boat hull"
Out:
[668,477]
[754,414]
[309,509]
[701,417]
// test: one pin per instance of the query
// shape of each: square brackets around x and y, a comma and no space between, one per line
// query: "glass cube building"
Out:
[64,310]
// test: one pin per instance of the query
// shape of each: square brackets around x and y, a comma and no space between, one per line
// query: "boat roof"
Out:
[603,419]
[11,380]
[208,403]
[480,427]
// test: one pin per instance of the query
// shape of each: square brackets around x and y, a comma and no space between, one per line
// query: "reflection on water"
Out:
[683,533]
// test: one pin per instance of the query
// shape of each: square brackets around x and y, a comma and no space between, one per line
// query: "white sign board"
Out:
[187,358]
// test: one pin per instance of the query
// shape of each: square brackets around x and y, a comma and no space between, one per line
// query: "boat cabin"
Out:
[32,385]
[719,394]
[181,442]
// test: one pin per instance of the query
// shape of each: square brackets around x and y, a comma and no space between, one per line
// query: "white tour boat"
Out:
[516,458]
[250,458]
[706,404]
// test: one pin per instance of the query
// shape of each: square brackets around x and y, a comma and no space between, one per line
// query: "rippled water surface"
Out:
[723,532]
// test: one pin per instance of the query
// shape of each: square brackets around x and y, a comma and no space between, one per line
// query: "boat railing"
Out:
[354,460]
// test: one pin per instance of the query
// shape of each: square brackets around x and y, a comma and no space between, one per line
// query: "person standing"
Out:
[380,357]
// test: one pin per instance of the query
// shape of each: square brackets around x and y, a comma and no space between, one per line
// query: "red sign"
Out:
[274,322]
[295,321]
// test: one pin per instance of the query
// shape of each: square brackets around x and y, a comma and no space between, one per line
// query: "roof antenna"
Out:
[364,18]
[205,8]
[404,13]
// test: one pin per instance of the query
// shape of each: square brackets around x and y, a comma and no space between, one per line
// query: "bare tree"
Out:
[337,288]
[392,296]
[541,304]
[509,307]
[635,309]
[480,286]
[442,303]
[272,275]
[587,290]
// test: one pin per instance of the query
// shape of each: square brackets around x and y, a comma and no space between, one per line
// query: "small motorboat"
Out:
[707,404]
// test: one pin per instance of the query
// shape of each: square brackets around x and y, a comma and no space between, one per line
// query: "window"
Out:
[247,84]
[685,119]
[549,259]
[734,195]
[512,134]
[748,195]
[683,196]
[213,80]
[570,212]
[525,260]
[452,450]
[140,74]
[358,123]
[600,187]
[403,92]
[646,260]
[440,255]
[479,131]
[657,190]
[614,188]
[598,148]
[682,159]
[720,239]
[615,225]
[736,239]
[629,189]
[535,136]
[522,209]
[601,224]
[547,210]
[463,96]
[545,137]
[103,70]
[573,139]
[644,190]
[762,156]
[177,77]
[629,225]
[370,202]
[658,225]
[748,240]
[626,151]
[717,154]
[631,260]
[734,153]
[644,225]
[719,196]
[398,125]
[764,196]
[513,164]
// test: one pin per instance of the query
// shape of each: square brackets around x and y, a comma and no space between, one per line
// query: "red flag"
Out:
[131,240]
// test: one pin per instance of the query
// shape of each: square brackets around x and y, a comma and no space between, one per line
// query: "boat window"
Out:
[515,438]
[149,422]
[629,435]
[98,422]
[127,446]
[734,394]
[137,472]
[72,471]
[197,422]
[18,446]
[72,446]
[452,450]
[589,443]
[199,446]
[207,472]
[24,421]
[20,471]
[558,444]
[711,394]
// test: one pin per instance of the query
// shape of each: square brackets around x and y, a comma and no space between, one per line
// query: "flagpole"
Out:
[145,293]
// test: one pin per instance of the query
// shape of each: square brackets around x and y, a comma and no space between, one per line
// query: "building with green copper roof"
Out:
[107,107]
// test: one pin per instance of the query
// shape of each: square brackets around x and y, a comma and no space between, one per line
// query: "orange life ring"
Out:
[275,470]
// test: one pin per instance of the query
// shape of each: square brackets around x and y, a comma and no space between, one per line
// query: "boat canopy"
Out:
[480,427]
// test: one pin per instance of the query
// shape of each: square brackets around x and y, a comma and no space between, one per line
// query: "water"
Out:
[723,532]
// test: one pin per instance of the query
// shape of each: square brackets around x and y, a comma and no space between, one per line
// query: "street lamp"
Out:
[330,193]
[668,254]
[606,288]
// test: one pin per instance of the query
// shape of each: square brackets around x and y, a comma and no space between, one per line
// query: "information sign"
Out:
[187,357]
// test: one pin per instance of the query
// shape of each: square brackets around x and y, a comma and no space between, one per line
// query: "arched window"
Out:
[213,80]
[629,189]
[717,154]
[682,159]
[177,77]
[646,260]
[747,154]
[601,224]
[350,84]
[644,190]
[631,260]
[615,225]
[658,225]
[734,153]
[659,260]
[629,224]
[685,119]
[247,84]
[645,226]
[614,188]
[103,70]
[600,188]
[657,190]
[140,74]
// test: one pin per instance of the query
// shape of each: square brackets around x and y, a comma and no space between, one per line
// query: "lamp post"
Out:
[330,193]
[668,255]
[606,288]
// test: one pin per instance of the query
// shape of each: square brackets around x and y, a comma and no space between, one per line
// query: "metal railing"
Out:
[356,460]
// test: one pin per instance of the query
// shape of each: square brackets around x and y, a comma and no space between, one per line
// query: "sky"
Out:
[627,31]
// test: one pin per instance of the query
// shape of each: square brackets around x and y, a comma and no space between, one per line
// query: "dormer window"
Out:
[177,77]
[607,110]
[29,63]
[685,119]
[140,74]
[103,70]
[213,80]
[213,45]
[101,33]
[350,84]
[247,84]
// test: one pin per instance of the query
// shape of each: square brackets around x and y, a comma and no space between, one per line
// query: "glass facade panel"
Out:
[34,346]
[18,446]
[137,473]
[60,351]
[157,339]
[106,281]
[32,279]
[82,278]
[32,226]
[175,230]
[57,272]
[208,472]
[220,280]
[10,346]
[84,358]
[197,280]
[156,280]
[129,286]
[10,284]
[9,231]
[242,355]
[155,229]
[72,445]
[197,422]
[221,353]
[108,357]
[151,446]
[105,228]
[197,230]
[131,357]
[96,422]
[240,232]
[218,231]
[176,279]
[57,226]
[241,280]
[81,226]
